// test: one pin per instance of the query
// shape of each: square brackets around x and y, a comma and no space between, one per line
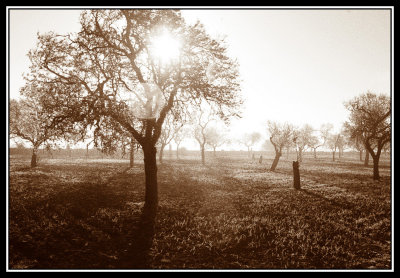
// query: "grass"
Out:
[231,213]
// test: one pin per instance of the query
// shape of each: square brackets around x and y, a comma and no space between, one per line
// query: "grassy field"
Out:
[231,213]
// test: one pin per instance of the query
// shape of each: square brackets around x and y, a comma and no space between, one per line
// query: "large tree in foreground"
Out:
[133,67]
[370,120]
[281,136]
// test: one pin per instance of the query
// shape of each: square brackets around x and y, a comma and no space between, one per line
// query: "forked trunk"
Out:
[276,160]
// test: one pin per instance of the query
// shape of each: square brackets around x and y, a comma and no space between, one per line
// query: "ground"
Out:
[231,213]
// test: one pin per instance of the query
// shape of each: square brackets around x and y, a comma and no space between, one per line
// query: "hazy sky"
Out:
[296,65]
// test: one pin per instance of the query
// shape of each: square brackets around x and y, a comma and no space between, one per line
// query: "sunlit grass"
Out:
[231,213]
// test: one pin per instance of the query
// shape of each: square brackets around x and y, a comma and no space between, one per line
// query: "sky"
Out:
[296,66]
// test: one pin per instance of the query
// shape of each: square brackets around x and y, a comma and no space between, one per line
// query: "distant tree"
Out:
[302,137]
[281,135]
[249,140]
[179,136]
[355,140]
[200,131]
[370,118]
[319,140]
[333,143]
[215,138]
[170,129]
[28,121]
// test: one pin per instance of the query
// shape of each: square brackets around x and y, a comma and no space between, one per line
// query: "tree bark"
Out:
[366,159]
[315,152]
[376,168]
[276,160]
[333,155]
[131,157]
[296,175]
[300,155]
[203,160]
[150,170]
[361,153]
[34,158]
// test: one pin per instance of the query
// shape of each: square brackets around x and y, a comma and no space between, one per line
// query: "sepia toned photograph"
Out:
[199,139]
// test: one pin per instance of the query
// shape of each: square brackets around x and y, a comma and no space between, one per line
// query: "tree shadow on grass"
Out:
[82,226]
[342,205]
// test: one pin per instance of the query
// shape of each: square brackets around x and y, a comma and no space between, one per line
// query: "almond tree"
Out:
[302,138]
[113,62]
[30,121]
[280,137]
[249,140]
[333,143]
[179,136]
[370,119]
[215,138]
[200,131]
[324,133]
[170,128]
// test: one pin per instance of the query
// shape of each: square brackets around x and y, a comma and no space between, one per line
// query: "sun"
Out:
[165,47]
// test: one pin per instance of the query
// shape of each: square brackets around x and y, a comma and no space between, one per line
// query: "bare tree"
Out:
[29,122]
[170,128]
[280,137]
[333,143]
[179,136]
[249,140]
[200,131]
[370,118]
[215,138]
[319,140]
[302,138]
[111,64]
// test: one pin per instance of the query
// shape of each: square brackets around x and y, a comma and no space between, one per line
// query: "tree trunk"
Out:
[177,151]
[131,157]
[361,153]
[150,170]
[333,155]
[214,152]
[300,155]
[276,160]
[315,152]
[34,158]
[203,160]
[296,175]
[376,168]
[340,153]
[161,153]
[366,159]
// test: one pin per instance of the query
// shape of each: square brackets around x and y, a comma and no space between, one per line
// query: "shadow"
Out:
[83,226]
[342,205]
